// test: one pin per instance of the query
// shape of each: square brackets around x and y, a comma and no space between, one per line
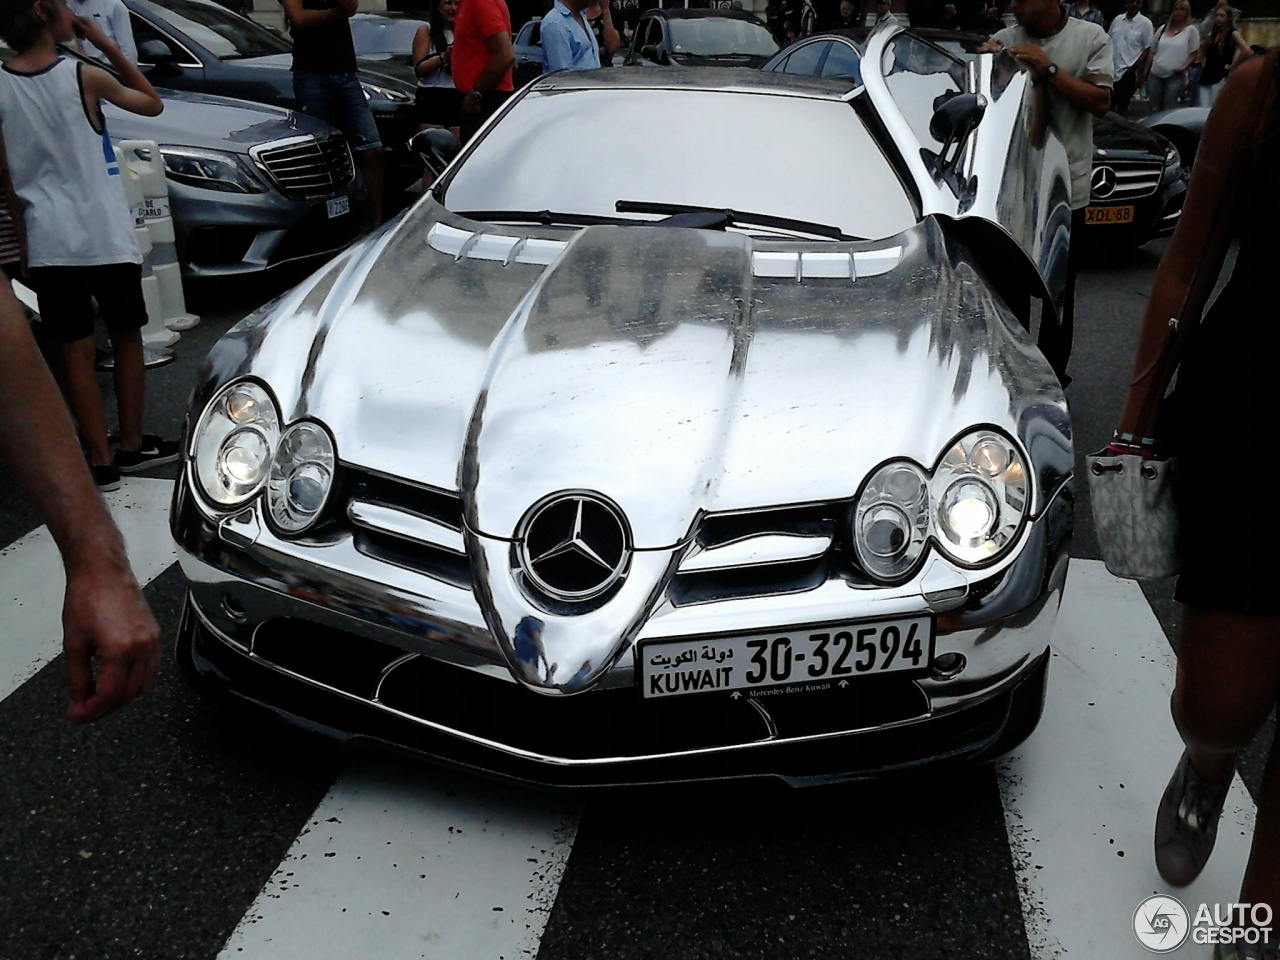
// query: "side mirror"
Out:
[435,147]
[651,52]
[956,119]
[155,52]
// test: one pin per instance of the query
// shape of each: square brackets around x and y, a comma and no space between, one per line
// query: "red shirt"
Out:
[477,21]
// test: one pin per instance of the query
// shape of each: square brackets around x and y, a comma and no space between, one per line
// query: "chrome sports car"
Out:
[605,465]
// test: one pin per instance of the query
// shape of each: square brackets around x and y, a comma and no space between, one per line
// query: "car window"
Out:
[847,183]
[804,62]
[920,78]
[375,35]
[144,32]
[720,36]
[226,35]
[842,63]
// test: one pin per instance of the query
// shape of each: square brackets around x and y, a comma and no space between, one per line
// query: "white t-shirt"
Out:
[1172,50]
[112,17]
[1129,37]
[65,173]
[1083,50]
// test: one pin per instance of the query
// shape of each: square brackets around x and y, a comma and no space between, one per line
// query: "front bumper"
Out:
[369,652]
[230,234]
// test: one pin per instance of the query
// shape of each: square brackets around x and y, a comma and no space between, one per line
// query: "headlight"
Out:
[301,476]
[892,520]
[234,442]
[372,90]
[972,504]
[1172,159]
[980,496]
[210,170]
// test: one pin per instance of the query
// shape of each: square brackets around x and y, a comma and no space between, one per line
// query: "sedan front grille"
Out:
[307,167]
[1117,181]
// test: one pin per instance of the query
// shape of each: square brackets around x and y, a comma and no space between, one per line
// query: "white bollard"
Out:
[143,158]
[155,333]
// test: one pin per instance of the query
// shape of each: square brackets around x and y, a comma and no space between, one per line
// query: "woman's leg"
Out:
[1228,682]
[1156,87]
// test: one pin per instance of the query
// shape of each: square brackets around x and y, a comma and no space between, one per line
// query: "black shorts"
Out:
[65,296]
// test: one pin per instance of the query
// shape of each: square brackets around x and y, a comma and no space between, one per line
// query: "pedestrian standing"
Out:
[112,17]
[1175,47]
[1228,676]
[67,198]
[438,101]
[567,40]
[482,61]
[1220,51]
[326,84]
[1085,10]
[1131,37]
[1072,61]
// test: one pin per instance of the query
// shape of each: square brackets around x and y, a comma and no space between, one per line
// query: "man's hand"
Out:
[1032,55]
[106,622]
[992,45]
[87,29]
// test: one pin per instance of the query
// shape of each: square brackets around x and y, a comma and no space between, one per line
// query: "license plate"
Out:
[1100,215]
[812,655]
[338,206]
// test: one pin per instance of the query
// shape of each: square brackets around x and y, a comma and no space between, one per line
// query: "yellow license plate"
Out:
[1100,215]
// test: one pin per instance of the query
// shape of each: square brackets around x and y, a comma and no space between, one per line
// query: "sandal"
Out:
[1187,823]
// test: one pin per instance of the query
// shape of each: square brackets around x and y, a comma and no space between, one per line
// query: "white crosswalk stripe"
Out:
[400,860]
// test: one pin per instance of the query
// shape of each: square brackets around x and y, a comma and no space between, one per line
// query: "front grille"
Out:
[1121,180]
[306,167]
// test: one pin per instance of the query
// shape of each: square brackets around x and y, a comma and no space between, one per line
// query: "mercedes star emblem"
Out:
[1103,183]
[574,546]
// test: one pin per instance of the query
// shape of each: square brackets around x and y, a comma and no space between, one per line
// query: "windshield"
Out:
[375,35]
[720,37]
[578,152]
[226,35]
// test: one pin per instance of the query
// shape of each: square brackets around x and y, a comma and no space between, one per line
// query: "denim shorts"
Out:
[338,98]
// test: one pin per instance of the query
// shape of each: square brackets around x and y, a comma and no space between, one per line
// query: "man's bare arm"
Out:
[1084,94]
[133,91]
[104,617]
[501,58]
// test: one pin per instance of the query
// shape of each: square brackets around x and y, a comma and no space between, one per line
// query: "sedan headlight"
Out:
[234,442]
[301,476]
[210,170]
[972,505]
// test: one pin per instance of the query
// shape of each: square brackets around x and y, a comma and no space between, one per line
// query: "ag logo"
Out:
[1161,924]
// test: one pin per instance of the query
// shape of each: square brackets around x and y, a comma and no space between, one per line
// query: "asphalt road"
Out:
[169,827]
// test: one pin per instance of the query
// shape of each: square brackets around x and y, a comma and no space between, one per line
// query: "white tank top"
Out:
[64,172]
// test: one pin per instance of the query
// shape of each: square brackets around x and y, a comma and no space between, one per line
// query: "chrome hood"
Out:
[667,375]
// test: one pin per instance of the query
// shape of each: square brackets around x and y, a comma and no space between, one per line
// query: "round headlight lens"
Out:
[301,476]
[891,521]
[981,496]
[233,443]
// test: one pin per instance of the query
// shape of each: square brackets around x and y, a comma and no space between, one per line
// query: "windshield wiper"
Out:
[547,217]
[726,216]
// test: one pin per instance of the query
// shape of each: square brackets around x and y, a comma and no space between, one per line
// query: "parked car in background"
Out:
[700,38]
[200,46]
[1138,184]
[530,60]
[380,36]
[251,186]
[1181,126]
[663,473]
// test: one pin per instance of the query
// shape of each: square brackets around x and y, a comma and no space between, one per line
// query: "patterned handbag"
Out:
[1134,514]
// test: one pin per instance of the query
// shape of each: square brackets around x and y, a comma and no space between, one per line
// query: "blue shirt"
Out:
[566,44]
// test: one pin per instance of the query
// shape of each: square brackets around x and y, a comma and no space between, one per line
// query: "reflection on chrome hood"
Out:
[675,375]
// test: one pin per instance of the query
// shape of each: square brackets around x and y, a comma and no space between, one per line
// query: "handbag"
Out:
[1135,514]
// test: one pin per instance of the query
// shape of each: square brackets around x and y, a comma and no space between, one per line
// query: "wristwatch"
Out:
[477,96]
[1048,74]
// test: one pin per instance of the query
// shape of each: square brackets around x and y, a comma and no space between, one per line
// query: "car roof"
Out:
[711,79]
